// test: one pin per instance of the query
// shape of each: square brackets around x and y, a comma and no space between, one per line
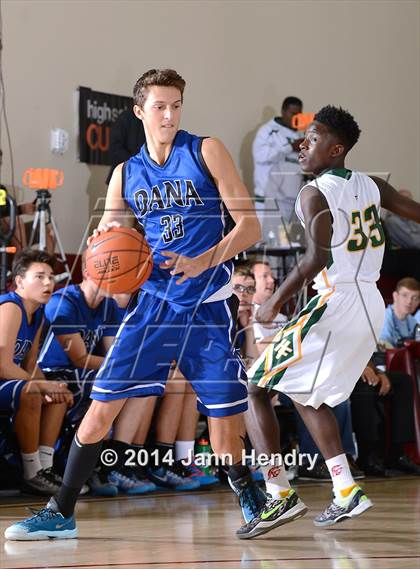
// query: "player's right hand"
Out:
[56,392]
[102,228]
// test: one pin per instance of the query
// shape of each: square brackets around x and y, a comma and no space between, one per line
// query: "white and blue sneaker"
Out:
[44,524]
[172,477]
[128,483]
[100,485]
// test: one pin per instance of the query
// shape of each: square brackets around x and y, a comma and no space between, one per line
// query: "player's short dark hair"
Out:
[409,283]
[24,259]
[158,78]
[341,123]
[288,101]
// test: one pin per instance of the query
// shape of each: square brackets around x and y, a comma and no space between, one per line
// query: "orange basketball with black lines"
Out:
[119,260]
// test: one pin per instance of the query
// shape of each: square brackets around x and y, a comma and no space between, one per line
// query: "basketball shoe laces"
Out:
[332,510]
[124,476]
[44,514]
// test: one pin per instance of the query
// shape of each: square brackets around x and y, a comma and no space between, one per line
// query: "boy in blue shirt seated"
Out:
[83,322]
[38,406]
[400,324]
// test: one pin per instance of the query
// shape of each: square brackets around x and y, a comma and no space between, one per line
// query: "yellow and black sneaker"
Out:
[276,512]
[356,503]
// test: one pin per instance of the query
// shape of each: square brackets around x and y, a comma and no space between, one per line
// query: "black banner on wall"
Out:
[97,112]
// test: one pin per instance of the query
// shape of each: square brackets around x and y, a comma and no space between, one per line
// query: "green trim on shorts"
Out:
[313,319]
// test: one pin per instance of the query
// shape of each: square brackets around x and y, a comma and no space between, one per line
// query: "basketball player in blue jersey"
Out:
[38,406]
[177,187]
[319,356]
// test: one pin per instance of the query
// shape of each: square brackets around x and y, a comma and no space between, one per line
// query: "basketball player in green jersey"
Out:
[318,357]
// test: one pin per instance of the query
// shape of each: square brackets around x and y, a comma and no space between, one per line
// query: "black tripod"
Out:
[43,218]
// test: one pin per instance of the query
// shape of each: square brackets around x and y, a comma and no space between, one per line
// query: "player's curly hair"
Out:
[341,123]
[159,78]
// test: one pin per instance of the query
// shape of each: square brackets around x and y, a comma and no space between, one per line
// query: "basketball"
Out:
[119,260]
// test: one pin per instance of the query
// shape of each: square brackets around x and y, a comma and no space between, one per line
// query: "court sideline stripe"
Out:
[199,562]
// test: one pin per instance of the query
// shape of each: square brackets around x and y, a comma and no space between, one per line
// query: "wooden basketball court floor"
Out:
[197,530]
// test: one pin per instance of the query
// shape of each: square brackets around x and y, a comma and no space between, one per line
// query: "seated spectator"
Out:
[368,399]
[83,323]
[244,288]
[403,232]
[38,406]
[399,322]
[264,289]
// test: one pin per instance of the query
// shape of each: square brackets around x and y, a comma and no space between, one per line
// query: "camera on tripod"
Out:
[43,181]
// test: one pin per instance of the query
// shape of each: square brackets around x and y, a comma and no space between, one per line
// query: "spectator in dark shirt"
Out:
[126,138]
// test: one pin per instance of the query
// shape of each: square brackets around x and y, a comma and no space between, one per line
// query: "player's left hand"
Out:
[187,267]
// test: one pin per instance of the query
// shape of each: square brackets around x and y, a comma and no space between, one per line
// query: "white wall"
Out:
[240,59]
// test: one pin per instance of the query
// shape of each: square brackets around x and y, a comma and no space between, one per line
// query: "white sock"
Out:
[184,450]
[46,455]
[31,464]
[341,476]
[275,477]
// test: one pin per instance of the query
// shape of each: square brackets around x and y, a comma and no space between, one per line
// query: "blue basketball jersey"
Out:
[180,209]
[27,332]
[68,313]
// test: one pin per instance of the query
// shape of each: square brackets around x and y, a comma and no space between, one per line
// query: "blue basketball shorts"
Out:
[153,335]
[10,390]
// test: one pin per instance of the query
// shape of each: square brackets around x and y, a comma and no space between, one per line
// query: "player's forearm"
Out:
[302,274]
[120,216]
[37,373]
[88,362]
[395,202]
[251,351]
[33,370]
[10,370]
[246,233]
